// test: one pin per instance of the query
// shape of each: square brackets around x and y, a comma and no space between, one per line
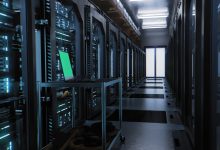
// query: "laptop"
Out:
[66,66]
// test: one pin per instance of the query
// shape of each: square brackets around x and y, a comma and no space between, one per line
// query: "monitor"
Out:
[66,65]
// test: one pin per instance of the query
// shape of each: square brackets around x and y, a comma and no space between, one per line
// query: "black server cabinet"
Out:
[112,51]
[123,56]
[12,103]
[62,33]
[95,31]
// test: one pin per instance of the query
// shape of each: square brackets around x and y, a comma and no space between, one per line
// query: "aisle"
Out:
[151,120]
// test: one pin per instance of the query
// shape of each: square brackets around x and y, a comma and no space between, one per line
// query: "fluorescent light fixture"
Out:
[153,11]
[151,17]
[154,26]
[141,0]
[154,22]
[136,0]
[155,14]
[145,28]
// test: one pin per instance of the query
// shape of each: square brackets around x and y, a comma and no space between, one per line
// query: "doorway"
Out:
[155,62]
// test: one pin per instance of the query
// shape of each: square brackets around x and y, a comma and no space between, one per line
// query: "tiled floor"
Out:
[148,135]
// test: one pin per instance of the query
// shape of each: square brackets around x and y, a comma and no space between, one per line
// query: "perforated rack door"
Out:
[123,52]
[95,49]
[62,33]
[112,50]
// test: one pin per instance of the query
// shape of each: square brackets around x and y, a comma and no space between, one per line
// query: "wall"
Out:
[154,37]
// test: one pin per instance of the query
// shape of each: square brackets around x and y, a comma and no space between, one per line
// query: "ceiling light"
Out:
[136,0]
[145,28]
[154,27]
[153,11]
[152,16]
[154,22]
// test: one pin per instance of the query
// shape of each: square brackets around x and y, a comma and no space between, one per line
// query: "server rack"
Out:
[61,30]
[12,102]
[123,49]
[95,44]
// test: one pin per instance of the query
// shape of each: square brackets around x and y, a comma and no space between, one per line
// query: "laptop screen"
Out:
[65,62]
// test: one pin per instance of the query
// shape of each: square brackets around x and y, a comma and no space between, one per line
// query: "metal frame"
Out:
[103,84]
[29,73]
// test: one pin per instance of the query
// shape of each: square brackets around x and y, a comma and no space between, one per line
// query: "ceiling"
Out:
[150,5]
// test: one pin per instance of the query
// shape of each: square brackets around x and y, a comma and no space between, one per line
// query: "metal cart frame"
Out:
[102,84]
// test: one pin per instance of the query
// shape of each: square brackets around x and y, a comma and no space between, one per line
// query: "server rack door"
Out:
[95,29]
[190,66]
[63,33]
[214,123]
[112,56]
[112,50]
[123,59]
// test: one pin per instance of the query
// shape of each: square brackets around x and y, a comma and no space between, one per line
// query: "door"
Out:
[155,62]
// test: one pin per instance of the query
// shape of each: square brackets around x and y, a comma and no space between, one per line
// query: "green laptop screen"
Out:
[65,62]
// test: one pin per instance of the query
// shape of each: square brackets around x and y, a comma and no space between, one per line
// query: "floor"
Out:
[156,135]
